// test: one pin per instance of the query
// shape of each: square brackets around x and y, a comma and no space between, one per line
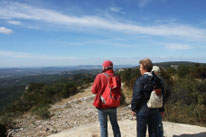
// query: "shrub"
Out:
[186,102]
[129,76]
[185,93]
[3,131]
[42,111]
[68,90]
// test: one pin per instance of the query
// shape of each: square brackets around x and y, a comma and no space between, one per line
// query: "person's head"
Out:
[145,65]
[156,70]
[107,65]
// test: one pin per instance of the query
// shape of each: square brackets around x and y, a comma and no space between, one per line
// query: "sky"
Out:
[40,33]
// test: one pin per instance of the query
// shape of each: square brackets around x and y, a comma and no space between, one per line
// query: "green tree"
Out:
[68,90]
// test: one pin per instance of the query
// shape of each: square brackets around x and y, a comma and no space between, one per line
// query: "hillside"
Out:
[185,63]
[68,120]
[11,88]
[54,103]
[14,80]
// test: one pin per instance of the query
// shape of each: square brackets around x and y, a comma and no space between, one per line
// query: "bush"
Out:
[129,76]
[42,111]
[68,90]
[190,114]
[7,120]
[3,131]
[37,98]
[186,102]
[186,92]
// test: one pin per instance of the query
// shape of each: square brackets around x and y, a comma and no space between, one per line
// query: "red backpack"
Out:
[111,96]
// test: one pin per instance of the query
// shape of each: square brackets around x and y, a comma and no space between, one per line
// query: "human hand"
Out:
[133,113]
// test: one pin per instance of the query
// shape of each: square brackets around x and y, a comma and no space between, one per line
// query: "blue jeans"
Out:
[147,117]
[102,114]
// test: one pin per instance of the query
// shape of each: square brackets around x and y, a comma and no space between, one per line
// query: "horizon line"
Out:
[58,66]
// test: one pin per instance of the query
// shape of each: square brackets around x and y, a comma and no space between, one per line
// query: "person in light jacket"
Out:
[160,130]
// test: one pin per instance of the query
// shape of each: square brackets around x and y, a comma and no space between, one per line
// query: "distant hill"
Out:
[186,63]
[13,87]
[21,72]
[14,80]
[178,63]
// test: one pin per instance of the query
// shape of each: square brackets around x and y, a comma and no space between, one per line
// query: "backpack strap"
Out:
[109,86]
[107,78]
[110,76]
[106,74]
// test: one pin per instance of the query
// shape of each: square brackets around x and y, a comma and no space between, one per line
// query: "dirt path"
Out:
[77,117]
[128,129]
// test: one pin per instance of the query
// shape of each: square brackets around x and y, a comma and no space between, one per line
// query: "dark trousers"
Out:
[147,117]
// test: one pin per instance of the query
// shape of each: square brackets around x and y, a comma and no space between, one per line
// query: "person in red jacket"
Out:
[98,88]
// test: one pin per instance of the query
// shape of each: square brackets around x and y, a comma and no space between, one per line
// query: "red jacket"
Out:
[99,86]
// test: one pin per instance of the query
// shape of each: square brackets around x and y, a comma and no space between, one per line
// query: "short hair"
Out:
[146,64]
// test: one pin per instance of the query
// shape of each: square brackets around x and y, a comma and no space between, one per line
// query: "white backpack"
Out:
[155,101]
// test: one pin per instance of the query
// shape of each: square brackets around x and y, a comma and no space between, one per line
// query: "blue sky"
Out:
[86,32]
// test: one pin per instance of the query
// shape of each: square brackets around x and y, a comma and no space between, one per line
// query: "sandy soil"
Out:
[77,117]
[128,129]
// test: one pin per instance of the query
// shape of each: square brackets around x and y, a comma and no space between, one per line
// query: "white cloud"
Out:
[22,11]
[22,59]
[14,22]
[33,27]
[105,43]
[115,9]
[4,30]
[142,3]
[24,55]
[14,54]
[178,46]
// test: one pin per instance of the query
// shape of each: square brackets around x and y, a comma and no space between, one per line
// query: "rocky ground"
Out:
[77,117]
[128,129]
[67,114]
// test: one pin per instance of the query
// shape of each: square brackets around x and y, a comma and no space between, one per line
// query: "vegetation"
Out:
[37,97]
[13,87]
[185,92]
[2,130]
[129,76]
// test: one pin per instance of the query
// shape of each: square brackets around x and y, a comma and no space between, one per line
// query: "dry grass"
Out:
[127,94]
[86,92]
[94,135]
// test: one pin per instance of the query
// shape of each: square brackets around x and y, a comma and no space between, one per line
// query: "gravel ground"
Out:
[77,117]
